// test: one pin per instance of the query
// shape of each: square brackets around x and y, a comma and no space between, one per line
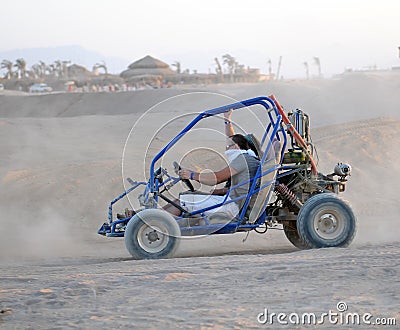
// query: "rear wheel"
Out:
[325,220]
[293,236]
[152,234]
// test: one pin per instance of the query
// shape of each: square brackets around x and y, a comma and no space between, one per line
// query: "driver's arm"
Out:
[229,131]
[208,178]
[219,191]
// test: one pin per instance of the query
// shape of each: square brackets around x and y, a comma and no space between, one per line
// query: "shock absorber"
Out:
[288,195]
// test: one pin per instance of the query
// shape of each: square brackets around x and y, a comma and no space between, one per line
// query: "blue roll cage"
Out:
[154,184]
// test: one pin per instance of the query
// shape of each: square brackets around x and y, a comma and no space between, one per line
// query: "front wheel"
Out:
[152,234]
[325,220]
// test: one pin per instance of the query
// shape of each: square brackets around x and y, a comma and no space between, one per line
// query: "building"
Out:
[148,70]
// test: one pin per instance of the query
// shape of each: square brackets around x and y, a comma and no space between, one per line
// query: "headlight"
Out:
[342,169]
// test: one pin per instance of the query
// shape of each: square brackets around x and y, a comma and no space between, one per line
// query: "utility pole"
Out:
[307,72]
[279,67]
[269,69]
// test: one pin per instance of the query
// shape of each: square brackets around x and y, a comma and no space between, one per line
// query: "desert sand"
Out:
[61,164]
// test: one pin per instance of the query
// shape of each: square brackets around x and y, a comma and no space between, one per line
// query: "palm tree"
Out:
[318,64]
[58,69]
[43,68]
[20,64]
[230,61]
[101,65]
[53,69]
[218,70]
[178,66]
[8,65]
[36,70]
[65,68]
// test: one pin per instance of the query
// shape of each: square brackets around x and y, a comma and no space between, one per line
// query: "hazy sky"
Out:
[342,33]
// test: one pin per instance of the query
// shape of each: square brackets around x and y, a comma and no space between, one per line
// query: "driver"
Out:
[242,166]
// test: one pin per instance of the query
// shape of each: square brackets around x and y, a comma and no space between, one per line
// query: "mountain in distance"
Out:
[76,54]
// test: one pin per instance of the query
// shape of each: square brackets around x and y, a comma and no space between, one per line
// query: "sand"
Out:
[61,164]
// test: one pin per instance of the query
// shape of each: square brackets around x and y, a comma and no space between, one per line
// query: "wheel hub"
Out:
[152,236]
[327,223]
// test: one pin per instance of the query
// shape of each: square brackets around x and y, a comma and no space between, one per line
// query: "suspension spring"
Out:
[288,195]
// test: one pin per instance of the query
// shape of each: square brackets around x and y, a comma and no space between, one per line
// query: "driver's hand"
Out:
[184,173]
[228,115]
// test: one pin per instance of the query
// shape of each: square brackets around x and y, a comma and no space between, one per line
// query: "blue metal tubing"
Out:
[163,183]
[113,234]
[228,228]
[208,113]
[292,171]
[212,229]
[259,170]
[126,192]
[116,222]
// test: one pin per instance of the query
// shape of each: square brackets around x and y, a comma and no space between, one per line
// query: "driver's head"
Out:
[240,141]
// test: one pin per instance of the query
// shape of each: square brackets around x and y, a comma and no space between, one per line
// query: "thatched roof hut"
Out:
[147,66]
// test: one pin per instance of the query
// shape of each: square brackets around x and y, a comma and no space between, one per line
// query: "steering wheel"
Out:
[185,181]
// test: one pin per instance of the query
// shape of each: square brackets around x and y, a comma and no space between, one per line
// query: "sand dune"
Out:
[61,158]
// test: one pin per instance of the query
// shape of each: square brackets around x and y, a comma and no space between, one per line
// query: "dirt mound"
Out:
[347,98]
[82,104]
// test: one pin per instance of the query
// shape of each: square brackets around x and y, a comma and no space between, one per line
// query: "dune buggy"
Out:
[287,192]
